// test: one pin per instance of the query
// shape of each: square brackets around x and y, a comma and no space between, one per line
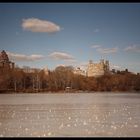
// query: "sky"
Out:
[43,35]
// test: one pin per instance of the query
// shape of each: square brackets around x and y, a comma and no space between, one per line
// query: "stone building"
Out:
[97,69]
[46,71]
[4,61]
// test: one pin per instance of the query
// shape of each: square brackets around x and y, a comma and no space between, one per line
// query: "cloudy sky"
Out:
[48,35]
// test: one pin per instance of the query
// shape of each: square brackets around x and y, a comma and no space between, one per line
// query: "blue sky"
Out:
[47,35]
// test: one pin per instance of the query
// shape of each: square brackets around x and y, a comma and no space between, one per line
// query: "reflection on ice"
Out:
[68,125]
[135,125]
[61,126]
[69,118]
[113,127]
[84,123]
[75,125]
[49,134]
[91,118]
[26,129]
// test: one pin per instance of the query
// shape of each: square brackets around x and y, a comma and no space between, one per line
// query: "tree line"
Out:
[61,78]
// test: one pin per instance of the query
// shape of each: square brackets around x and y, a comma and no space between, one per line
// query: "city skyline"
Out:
[47,35]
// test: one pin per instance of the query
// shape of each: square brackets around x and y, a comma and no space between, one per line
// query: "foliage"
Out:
[19,81]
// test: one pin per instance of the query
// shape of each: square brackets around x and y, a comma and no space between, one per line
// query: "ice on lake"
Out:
[83,114]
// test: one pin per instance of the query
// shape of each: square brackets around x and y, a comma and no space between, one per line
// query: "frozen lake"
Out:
[82,114]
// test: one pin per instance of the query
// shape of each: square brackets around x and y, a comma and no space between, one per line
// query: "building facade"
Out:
[46,71]
[4,61]
[97,69]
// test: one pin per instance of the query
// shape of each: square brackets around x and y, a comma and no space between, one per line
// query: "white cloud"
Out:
[22,57]
[37,25]
[96,46]
[61,65]
[83,65]
[61,56]
[132,48]
[115,67]
[71,60]
[107,50]
[96,30]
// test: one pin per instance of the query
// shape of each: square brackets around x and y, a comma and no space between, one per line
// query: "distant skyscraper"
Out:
[97,69]
[4,61]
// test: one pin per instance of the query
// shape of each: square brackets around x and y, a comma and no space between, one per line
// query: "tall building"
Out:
[46,71]
[4,61]
[97,69]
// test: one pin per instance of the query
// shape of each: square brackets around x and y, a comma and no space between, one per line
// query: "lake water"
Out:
[66,115]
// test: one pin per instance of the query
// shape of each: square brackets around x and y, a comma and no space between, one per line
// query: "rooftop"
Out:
[4,57]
